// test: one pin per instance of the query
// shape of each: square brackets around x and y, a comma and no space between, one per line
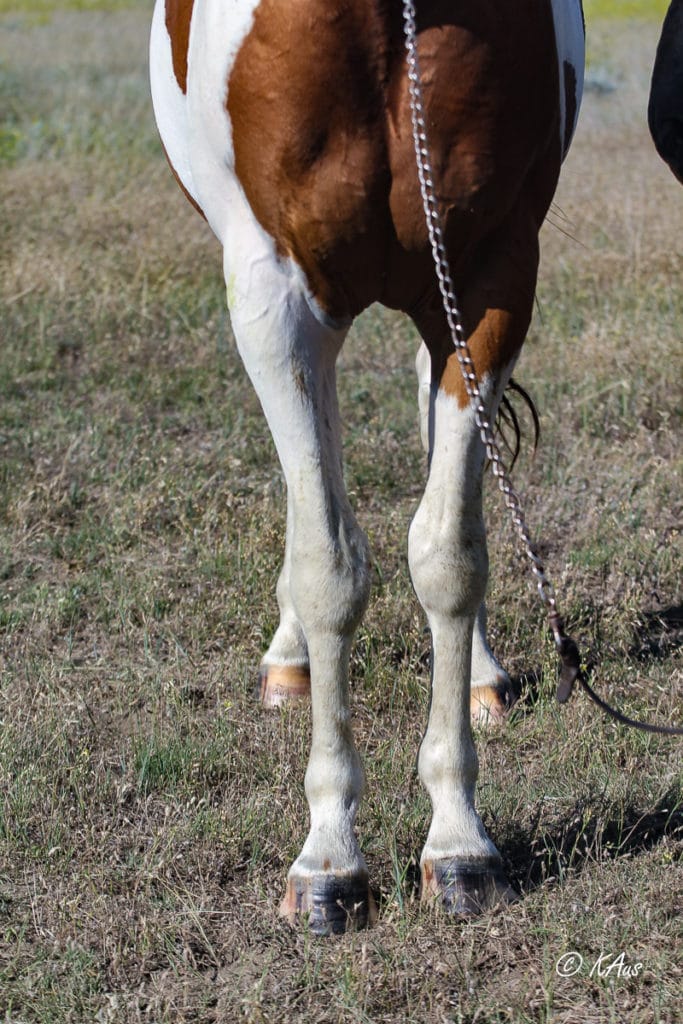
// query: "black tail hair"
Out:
[508,420]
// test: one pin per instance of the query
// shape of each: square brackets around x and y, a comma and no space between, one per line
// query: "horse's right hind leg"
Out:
[461,867]
[491,696]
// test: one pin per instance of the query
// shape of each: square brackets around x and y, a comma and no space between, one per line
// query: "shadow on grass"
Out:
[526,690]
[659,634]
[592,833]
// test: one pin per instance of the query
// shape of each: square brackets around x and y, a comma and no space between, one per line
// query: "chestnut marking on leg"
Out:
[283,684]
[284,673]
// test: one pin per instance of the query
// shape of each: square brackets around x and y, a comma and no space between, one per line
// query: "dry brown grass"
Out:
[148,808]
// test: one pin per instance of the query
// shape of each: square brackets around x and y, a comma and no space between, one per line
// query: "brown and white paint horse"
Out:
[287,123]
[665,109]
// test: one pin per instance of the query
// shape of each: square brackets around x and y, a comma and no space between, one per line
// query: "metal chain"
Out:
[565,646]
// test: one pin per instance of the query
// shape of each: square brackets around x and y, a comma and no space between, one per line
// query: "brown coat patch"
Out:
[178,17]
[319,106]
[318,101]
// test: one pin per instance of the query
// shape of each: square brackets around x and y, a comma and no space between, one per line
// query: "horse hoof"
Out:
[329,904]
[465,887]
[283,684]
[490,704]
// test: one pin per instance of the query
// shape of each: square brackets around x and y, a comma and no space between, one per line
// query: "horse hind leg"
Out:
[492,694]
[448,563]
[461,867]
[290,357]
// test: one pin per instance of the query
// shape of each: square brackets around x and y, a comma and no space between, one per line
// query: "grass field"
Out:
[149,809]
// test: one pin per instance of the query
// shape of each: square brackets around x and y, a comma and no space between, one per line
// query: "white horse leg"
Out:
[448,564]
[290,357]
[491,695]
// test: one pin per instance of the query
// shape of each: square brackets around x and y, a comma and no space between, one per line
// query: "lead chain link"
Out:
[454,318]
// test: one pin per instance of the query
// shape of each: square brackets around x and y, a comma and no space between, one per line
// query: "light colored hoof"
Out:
[329,904]
[490,705]
[466,887]
[283,684]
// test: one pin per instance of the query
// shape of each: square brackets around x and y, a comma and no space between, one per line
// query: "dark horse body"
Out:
[665,110]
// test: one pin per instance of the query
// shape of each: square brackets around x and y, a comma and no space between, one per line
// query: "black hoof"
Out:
[464,887]
[329,904]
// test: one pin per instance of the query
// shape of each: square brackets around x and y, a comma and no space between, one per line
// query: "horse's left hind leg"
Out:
[290,356]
